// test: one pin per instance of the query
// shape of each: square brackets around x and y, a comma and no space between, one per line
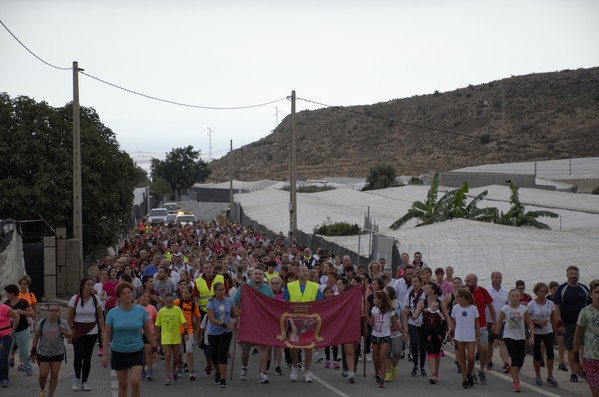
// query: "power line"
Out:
[179,103]
[512,141]
[139,93]
[31,52]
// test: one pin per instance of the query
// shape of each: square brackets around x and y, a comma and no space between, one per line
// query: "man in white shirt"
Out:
[500,298]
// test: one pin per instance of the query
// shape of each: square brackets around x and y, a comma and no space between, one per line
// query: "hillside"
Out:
[522,118]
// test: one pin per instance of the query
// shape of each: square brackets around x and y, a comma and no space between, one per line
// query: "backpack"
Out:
[61,336]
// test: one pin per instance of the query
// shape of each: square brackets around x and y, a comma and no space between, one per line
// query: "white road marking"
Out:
[328,386]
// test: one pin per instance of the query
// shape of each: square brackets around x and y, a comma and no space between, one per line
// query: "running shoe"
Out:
[538,380]
[149,375]
[143,375]
[482,378]
[551,382]
[327,364]
[470,380]
[345,373]
[244,374]
[85,387]
[336,365]
[489,366]
[465,384]
[410,358]
[382,384]
[432,380]
[394,373]
[506,368]
[175,375]
[414,371]
[293,374]
[21,367]
[517,387]
[307,377]
[217,378]
[574,378]
[563,367]
[278,371]
[168,381]
[192,375]
[223,384]
[422,372]
[185,367]
[388,377]
[474,378]
[351,377]
[77,385]
[264,378]
[318,358]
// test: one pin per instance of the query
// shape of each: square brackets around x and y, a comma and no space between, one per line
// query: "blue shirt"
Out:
[264,289]
[126,328]
[222,312]
[150,270]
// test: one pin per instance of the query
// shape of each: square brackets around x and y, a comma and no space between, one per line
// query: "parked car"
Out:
[157,215]
[171,207]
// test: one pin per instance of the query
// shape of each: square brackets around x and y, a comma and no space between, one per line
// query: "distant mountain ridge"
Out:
[522,118]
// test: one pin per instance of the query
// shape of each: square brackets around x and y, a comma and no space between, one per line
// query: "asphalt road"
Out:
[327,382]
[203,211]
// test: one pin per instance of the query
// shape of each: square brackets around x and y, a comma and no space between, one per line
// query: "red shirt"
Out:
[481,299]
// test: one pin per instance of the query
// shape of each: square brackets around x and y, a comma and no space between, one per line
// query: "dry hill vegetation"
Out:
[522,118]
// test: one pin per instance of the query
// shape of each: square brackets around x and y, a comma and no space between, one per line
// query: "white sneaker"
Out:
[85,387]
[77,385]
[293,375]
[307,377]
[264,378]
[318,358]
[369,357]
[351,377]
[244,374]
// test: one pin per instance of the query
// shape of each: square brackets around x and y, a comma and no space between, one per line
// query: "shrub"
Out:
[329,228]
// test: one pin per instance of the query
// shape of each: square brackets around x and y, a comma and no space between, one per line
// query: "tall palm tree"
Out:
[518,216]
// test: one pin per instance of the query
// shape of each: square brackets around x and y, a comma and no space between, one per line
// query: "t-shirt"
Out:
[22,304]
[162,287]
[152,315]
[589,319]
[187,307]
[51,342]
[481,299]
[5,327]
[381,325]
[170,322]
[465,320]
[514,322]
[98,288]
[500,299]
[87,312]
[574,300]
[264,289]
[126,328]
[398,308]
[541,312]
[110,288]
[411,302]
[222,312]
[29,297]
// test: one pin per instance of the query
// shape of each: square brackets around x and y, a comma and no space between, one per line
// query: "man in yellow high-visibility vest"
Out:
[302,290]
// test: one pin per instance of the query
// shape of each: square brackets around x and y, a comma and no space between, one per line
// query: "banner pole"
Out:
[364,331]
[233,355]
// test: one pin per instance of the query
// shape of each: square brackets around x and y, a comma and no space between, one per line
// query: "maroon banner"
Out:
[266,321]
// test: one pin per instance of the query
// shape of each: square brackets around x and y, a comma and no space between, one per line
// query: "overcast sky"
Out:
[242,53]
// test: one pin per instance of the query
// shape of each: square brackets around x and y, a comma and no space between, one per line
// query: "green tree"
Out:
[181,168]
[518,216]
[36,175]
[380,177]
[451,206]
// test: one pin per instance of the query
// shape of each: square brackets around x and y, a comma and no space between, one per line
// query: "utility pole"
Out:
[231,184]
[276,117]
[292,179]
[209,144]
[77,201]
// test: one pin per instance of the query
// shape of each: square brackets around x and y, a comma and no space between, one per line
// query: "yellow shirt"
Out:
[170,322]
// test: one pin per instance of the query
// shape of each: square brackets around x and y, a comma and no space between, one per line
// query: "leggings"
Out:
[516,348]
[548,342]
[327,353]
[417,344]
[219,347]
[83,348]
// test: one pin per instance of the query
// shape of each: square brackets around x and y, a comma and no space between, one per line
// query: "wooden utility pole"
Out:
[231,184]
[77,201]
[292,179]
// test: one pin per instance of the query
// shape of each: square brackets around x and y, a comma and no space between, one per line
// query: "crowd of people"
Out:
[170,288]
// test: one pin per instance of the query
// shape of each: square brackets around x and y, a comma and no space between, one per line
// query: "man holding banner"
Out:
[301,290]
[257,282]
